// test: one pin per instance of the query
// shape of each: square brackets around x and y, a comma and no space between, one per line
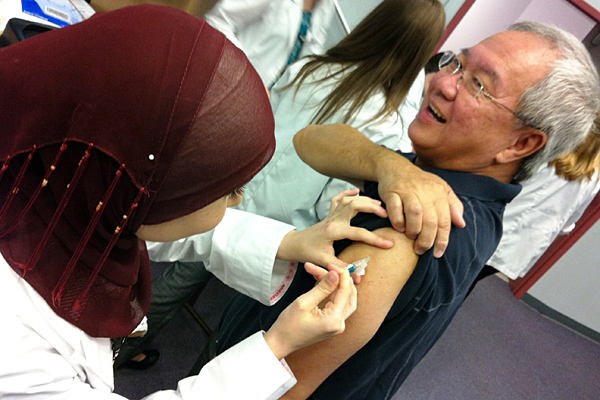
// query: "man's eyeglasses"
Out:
[451,65]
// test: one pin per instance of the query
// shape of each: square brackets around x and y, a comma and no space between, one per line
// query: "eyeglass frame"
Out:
[449,57]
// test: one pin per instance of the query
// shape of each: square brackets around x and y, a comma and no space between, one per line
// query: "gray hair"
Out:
[565,103]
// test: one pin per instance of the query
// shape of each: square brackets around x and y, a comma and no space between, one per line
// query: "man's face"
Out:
[456,131]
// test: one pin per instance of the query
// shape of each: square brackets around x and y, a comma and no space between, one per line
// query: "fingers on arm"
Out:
[456,209]
[395,210]
[429,228]
[359,235]
[347,207]
[335,200]
[437,223]
[368,237]
[315,243]
[443,230]
[427,219]
[414,212]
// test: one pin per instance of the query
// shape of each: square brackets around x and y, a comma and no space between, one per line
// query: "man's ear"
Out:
[529,140]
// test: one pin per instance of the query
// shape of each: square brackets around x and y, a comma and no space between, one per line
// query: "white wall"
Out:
[354,11]
[571,285]
[451,7]
[484,18]
[487,17]
[560,13]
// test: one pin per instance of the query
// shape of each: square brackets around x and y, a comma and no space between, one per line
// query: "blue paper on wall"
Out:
[60,12]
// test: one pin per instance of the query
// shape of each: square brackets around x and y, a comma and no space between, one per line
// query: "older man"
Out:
[491,116]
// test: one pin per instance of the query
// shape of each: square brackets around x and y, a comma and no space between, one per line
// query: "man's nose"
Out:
[448,84]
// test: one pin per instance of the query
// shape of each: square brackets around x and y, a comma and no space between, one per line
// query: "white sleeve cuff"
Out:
[243,256]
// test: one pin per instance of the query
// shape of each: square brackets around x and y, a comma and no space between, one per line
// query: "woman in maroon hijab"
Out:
[136,124]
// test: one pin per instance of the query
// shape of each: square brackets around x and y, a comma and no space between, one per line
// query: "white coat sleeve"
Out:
[230,16]
[243,256]
[248,371]
[240,251]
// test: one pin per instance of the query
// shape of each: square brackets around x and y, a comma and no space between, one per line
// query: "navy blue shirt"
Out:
[423,309]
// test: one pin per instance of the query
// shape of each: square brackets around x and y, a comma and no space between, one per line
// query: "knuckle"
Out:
[329,228]
[442,243]
[430,223]
[302,304]
[444,224]
[425,242]
[396,221]
[325,289]
[415,209]
[335,326]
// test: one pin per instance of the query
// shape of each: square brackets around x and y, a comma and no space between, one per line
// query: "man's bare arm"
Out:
[387,273]
[419,203]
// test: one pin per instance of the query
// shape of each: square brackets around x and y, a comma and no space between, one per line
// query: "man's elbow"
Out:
[302,140]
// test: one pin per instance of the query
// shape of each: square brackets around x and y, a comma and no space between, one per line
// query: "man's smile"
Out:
[436,114]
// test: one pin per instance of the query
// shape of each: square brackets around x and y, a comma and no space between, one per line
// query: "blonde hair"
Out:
[579,164]
[385,52]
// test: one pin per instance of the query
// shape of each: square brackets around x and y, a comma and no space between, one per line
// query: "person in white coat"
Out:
[372,80]
[135,145]
[274,33]
[550,204]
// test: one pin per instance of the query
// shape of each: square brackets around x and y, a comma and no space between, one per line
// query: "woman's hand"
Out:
[315,244]
[303,322]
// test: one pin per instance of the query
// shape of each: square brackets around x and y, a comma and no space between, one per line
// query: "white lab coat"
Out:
[547,206]
[266,30]
[45,357]
[289,190]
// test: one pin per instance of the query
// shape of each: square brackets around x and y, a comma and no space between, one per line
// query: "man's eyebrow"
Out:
[484,68]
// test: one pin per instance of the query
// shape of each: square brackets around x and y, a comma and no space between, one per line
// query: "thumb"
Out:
[323,289]
[317,272]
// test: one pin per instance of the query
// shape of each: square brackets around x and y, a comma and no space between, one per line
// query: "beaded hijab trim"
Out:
[71,187]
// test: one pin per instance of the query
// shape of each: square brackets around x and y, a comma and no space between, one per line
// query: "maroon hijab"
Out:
[136,116]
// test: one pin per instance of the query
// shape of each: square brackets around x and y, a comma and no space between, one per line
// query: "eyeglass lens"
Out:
[451,65]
